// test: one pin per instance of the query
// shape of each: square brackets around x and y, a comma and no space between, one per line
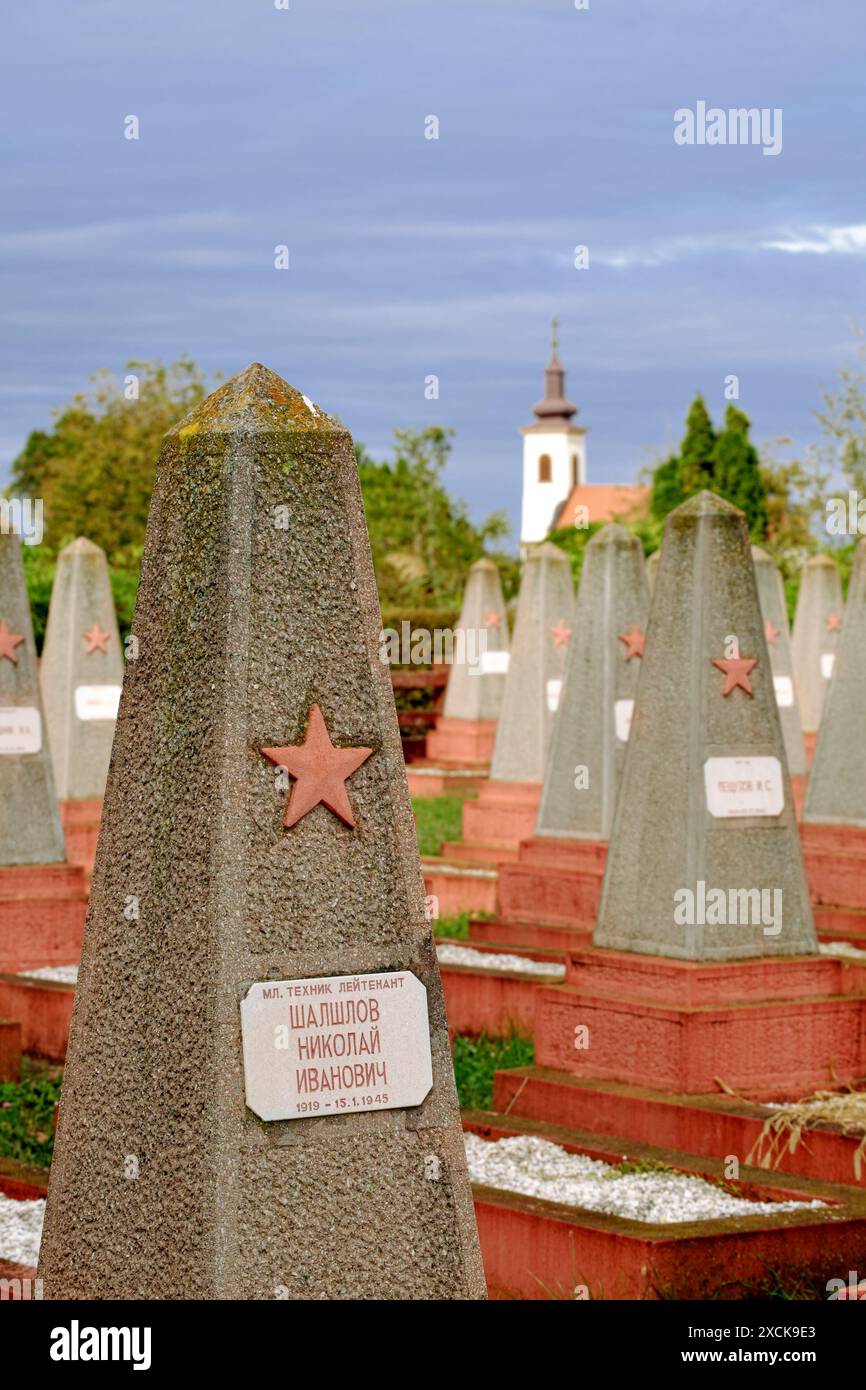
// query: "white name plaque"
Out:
[744,786]
[335,1045]
[20,730]
[97,701]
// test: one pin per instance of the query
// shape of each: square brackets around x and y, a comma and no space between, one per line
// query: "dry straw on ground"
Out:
[784,1129]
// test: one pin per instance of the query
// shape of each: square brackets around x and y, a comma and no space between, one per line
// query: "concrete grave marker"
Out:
[837,783]
[705,809]
[82,672]
[30,829]
[817,624]
[476,682]
[539,651]
[257,839]
[595,709]
[771,596]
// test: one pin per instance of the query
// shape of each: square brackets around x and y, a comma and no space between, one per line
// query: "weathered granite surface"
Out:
[817,624]
[82,666]
[774,610]
[587,750]
[837,783]
[666,839]
[543,630]
[476,683]
[30,829]
[257,601]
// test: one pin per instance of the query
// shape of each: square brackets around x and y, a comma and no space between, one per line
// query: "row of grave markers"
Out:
[57,717]
[564,706]
[266,1032]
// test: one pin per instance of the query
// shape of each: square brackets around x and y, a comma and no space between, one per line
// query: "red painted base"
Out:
[836,878]
[715,1125]
[461,741]
[81,821]
[42,911]
[17,1283]
[503,815]
[535,936]
[10,1045]
[21,1182]
[430,779]
[459,888]
[682,1025]
[457,852]
[541,1250]
[44,1011]
[500,1003]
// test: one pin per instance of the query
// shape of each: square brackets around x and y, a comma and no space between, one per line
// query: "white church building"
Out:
[555,491]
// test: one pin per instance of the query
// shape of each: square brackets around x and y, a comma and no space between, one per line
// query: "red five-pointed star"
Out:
[736,669]
[634,641]
[560,633]
[492,620]
[97,639]
[771,633]
[8,643]
[320,771]
[834,622]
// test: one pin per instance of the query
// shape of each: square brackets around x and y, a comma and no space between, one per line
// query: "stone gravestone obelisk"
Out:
[771,596]
[258,1100]
[705,806]
[30,829]
[585,759]
[476,684]
[466,729]
[539,648]
[837,783]
[817,624]
[82,672]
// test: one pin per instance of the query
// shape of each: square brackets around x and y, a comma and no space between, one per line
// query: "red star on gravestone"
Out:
[8,642]
[97,639]
[771,633]
[834,622]
[493,620]
[320,771]
[736,669]
[561,634]
[634,640]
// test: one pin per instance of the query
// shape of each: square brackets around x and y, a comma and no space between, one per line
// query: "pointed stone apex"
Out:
[545,550]
[760,557]
[82,546]
[612,534]
[254,400]
[820,562]
[706,504]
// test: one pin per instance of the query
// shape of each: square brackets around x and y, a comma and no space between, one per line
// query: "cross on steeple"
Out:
[554,336]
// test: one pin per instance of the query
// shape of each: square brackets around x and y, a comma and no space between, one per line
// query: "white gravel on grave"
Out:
[841,948]
[21,1230]
[449,954]
[64,974]
[538,1168]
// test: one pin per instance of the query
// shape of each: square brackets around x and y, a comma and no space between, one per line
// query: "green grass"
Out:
[476,1060]
[27,1114]
[437,819]
[457,928]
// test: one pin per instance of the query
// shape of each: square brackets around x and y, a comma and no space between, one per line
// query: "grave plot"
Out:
[703,1000]
[42,897]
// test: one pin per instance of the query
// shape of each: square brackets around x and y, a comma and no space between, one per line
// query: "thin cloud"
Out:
[824,241]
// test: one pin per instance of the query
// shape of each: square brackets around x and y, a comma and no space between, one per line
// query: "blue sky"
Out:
[409,256]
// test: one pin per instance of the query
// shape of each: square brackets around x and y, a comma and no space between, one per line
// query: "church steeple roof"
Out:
[555,409]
